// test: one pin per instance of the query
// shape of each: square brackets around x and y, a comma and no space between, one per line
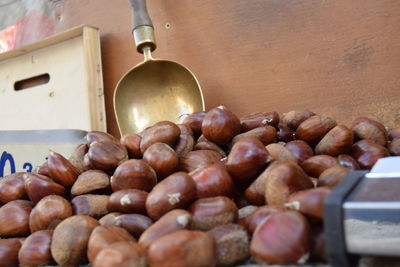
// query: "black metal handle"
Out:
[140,16]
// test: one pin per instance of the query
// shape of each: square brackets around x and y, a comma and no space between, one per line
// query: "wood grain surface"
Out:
[337,57]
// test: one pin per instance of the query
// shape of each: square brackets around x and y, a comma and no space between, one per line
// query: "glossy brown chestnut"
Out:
[121,254]
[38,186]
[232,243]
[9,249]
[208,213]
[266,134]
[90,181]
[279,152]
[365,128]
[91,205]
[61,170]
[77,156]
[349,162]
[97,136]
[194,121]
[213,180]
[258,119]
[176,191]
[332,176]
[204,144]
[172,221]
[220,125]
[290,230]
[35,250]
[300,150]
[162,158]
[248,158]
[337,141]
[295,117]
[183,248]
[260,214]
[315,165]
[285,134]
[162,132]
[184,145]
[135,174]
[106,155]
[70,240]
[109,218]
[309,202]
[128,201]
[394,147]
[103,236]
[131,142]
[284,179]
[185,129]
[49,212]
[394,134]
[14,218]
[197,159]
[367,152]
[314,128]
[12,187]
[135,224]
[43,169]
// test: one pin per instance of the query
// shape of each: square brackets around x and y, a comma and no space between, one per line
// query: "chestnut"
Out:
[131,142]
[162,158]
[332,176]
[213,180]
[133,173]
[365,128]
[208,213]
[49,212]
[259,215]
[394,134]
[266,134]
[284,179]
[176,191]
[128,201]
[35,250]
[77,156]
[300,150]
[310,202]
[9,249]
[337,141]
[313,129]
[14,218]
[183,248]
[220,125]
[38,186]
[367,152]
[394,147]
[70,240]
[172,221]
[197,159]
[162,132]
[258,119]
[279,152]
[248,158]
[194,122]
[12,187]
[43,169]
[96,136]
[135,224]
[315,165]
[91,205]
[90,181]
[121,254]
[295,117]
[204,144]
[61,170]
[184,145]
[285,134]
[106,155]
[349,162]
[102,236]
[290,230]
[109,218]
[232,242]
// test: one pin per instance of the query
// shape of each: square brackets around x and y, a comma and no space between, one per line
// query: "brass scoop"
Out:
[155,89]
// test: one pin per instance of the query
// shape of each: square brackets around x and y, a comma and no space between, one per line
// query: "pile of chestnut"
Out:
[214,190]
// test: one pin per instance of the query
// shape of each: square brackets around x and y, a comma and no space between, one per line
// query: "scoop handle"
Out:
[142,26]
